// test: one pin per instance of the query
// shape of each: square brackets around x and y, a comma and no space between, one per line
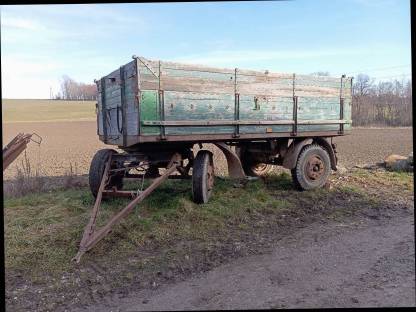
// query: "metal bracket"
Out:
[295,115]
[237,114]
[148,66]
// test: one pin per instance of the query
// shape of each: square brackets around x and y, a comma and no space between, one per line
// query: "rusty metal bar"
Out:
[162,115]
[341,114]
[237,114]
[89,229]
[295,117]
[172,177]
[123,105]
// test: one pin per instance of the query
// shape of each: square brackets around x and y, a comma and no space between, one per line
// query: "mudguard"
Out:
[292,154]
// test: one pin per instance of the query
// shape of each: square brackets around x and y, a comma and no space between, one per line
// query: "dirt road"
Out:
[357,263]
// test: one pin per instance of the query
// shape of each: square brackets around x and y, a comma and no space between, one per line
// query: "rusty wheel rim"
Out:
[315,168]
[260,168]
[210,177]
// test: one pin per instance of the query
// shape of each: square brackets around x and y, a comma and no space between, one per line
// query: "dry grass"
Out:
[29,179]
[15,110]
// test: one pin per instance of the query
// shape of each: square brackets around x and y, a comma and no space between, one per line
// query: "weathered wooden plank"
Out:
[189,84]
[192,67]
[215,122]
[266,107]
[198,106]
[240,122]
[261,74]
[262,129]
[313,108]
[199,130]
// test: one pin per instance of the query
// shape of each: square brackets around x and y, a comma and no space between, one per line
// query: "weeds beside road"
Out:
[168,237]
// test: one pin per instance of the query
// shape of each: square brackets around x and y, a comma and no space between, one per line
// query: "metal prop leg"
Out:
[92,237]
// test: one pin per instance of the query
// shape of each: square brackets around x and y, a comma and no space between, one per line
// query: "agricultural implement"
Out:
[158,112]
[16,146]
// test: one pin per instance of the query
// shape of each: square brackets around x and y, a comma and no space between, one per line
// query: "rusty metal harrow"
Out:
[16,146]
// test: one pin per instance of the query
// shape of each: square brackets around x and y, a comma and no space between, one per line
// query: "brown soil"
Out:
[372,145]
[75,143]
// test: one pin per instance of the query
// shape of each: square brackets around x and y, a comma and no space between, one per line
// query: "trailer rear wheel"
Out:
[97,170]
[313,168]
[202,177]
[256,169]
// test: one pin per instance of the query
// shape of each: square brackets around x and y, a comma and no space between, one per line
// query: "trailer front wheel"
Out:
[97,170]
[202,177]
[313,168]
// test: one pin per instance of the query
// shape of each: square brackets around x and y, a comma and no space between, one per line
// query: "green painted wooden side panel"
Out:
[149,110]
[196,93]
[198,106]
[313,108]
[267,108]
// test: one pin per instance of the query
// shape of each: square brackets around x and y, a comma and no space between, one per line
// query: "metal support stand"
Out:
[91,236]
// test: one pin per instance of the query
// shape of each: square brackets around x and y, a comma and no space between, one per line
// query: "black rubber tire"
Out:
[300,177]
[201,192]
[97,170]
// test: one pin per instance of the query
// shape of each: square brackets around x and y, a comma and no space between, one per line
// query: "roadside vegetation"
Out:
[43,230]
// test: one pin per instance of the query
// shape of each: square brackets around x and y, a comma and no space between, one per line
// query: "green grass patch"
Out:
[43,231]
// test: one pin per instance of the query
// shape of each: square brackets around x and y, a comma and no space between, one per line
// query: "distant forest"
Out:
[386,103]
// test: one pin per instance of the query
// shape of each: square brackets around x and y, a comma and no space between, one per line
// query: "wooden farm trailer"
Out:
[156,112]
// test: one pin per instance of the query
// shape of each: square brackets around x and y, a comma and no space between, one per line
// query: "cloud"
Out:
[28,78]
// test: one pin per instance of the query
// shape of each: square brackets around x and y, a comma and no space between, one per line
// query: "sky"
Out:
[41,43]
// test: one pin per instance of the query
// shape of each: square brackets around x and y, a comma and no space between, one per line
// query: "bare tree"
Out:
[389,103]
[72,90]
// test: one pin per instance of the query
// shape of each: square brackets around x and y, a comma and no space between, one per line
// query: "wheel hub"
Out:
[260,168]
[314,167]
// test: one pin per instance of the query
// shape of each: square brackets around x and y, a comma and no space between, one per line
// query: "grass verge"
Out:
[43,230]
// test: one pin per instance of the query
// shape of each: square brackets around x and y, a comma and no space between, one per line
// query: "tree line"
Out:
[72,90]
[386,103]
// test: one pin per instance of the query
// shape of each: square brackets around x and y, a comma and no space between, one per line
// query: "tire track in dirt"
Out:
[358,263]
